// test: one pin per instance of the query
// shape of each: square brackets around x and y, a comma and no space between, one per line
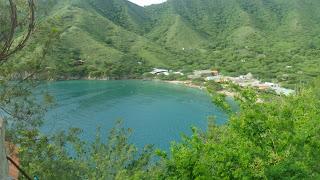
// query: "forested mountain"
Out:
[274,39]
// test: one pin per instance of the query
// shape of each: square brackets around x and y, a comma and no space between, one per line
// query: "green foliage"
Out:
[198,81]
[65,156]
[213,86]
[271,140]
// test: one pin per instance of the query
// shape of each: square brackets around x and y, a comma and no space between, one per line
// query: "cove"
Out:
[157,112]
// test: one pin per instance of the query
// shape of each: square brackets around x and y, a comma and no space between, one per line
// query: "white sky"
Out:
[147,2]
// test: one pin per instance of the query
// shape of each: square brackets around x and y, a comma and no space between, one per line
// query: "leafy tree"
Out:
[271,140]
[65,156]
[11,93]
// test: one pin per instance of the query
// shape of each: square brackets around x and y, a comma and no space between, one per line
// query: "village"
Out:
[243,80]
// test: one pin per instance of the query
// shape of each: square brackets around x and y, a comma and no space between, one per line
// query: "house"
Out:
[263,87]
[178,73]
[157,71]
[272,85]
[249,76]
[206,73]
[203,73]
[279,90]
[215,72]
[218,79]
[192,76]
[211,78]
[283,91]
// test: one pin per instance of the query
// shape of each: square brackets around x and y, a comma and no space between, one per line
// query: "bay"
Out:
[157,112]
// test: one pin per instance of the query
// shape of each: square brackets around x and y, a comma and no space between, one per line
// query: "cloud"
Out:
[147,2]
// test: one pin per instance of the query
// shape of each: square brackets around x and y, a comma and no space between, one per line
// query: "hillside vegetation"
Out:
[275,40]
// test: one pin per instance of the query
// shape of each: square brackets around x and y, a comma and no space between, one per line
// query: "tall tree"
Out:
[9,45]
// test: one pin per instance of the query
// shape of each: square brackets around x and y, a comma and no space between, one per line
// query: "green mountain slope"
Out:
[123,13]
[219,19]
[174,32]
[108,47]
[276,40]
[264,37]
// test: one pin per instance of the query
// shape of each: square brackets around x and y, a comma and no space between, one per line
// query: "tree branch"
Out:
[7,50]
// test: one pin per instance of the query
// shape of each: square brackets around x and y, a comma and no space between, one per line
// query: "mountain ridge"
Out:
[235,36]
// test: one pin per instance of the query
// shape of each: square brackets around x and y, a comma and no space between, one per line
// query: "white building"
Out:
[203,73]
[272,85]
[284,91]
[157,71]
[178,73]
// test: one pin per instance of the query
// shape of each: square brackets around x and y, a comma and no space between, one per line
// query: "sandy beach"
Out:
[191,85]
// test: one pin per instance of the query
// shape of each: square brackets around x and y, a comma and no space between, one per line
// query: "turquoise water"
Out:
[157,112]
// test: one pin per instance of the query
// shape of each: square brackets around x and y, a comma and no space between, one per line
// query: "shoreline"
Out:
[186,83]
[191,85]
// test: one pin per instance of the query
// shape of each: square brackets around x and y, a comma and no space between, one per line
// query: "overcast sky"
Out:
[147,2]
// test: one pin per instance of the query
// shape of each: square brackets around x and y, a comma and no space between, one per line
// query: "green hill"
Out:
[276,40]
